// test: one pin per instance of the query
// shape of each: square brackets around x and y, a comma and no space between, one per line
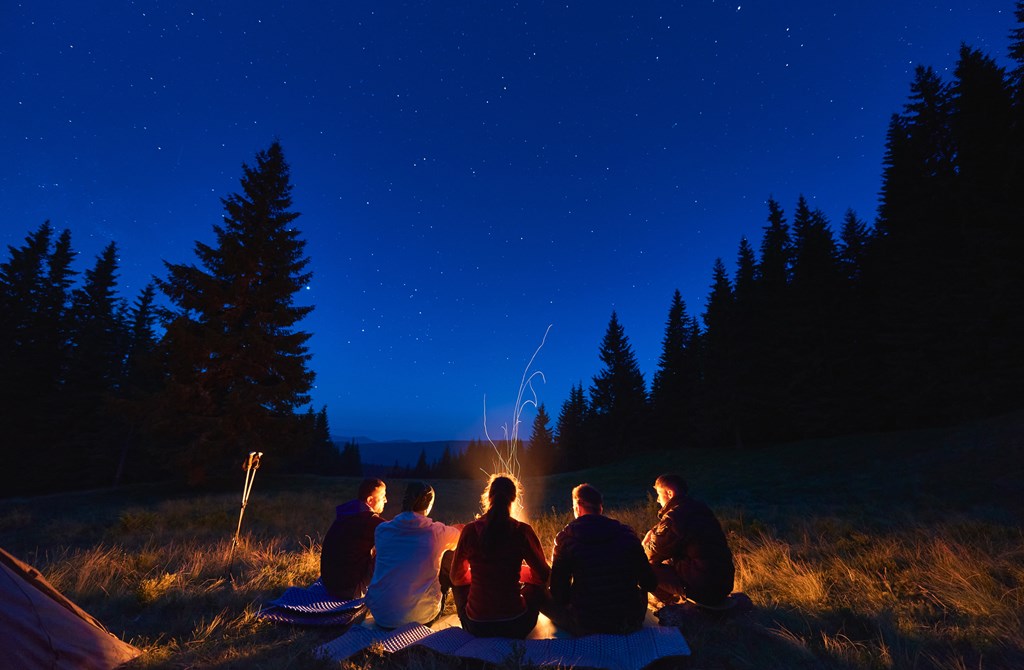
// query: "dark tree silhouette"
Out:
[541,457]
[237,366]
[618,398]
[570,430]
[675,387]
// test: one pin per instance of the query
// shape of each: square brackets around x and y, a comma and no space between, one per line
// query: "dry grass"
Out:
[884,586]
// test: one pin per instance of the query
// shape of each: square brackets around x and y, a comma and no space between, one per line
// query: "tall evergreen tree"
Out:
[141,379]
[817,304]
[854,239]
[31,381]
[618,397]
[540,450]
[237,365]
[91,444]
[773,272]
[571,430]
[722,418]
[675,387]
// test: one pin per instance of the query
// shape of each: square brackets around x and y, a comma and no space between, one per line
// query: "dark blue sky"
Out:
[468,173]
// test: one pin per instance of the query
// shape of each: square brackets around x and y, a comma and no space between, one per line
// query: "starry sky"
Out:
[468,173]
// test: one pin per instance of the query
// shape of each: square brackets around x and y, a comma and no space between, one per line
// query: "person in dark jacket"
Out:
[600,576]
[687,548]
[347,556]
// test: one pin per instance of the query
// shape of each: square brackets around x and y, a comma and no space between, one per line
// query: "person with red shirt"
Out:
[487,570]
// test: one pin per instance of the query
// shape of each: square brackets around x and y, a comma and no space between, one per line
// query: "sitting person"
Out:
[488,568]
[409,584]
[347,555]
[687,548]
[600,576]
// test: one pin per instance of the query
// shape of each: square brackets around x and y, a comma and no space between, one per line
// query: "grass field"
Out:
[875,551]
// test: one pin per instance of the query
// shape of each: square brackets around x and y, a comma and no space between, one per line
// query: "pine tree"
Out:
[422,468]
[100,346]
[817,303]
[237,367]
[773,272]
[618,397]
[571,431]
[722,416]
[674,389]
[540,451]
[444,467]
[351,460]
[91,444]
[32,348]
[141,378]
[765,355]
[854,239]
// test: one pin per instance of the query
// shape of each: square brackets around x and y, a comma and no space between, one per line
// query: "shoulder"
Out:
[524,529]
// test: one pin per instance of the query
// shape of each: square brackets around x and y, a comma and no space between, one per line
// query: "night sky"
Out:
[467,173]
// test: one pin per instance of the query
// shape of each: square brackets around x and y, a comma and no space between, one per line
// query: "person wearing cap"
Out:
[600,576]
[347,555]
[409,584]
[687,548]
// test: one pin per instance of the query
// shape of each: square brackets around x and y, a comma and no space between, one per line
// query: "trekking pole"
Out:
[252,464]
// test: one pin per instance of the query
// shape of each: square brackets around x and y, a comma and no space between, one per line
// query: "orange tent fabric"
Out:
[41,628]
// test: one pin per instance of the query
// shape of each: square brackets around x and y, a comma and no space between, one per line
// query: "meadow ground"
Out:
[876,551]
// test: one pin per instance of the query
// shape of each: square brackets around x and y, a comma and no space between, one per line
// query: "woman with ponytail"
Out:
[487,571]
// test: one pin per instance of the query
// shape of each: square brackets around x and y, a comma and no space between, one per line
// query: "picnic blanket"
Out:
[621,652]
[312,606]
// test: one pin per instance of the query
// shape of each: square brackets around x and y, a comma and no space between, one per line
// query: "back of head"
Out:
[499,494]
[588,498]
[674,483]
[418,497]
[501,491]
[367,487]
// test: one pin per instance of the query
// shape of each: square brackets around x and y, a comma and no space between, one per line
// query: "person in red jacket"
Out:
[600,576]
[347,556]
[487,570]
[687,548]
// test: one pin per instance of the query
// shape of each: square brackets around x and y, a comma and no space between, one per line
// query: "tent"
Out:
[41,628]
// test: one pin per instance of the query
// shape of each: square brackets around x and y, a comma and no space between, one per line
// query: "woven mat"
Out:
[313,599]
[621,652]
[312,606]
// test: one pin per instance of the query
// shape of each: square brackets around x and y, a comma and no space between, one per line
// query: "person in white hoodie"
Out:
[409,584]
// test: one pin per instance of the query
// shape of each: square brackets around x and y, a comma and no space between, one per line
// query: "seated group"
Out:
[597,582]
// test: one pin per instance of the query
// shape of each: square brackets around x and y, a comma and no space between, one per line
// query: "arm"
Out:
[460,573]
[561,573]
[645,576]
[450,536]
[660,541]
[534,555]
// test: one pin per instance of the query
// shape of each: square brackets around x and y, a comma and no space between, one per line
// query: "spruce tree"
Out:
[722,417]
[817,302]
[767,343]
[92,434]
[675,387]
[141,378]
[571,437]
[237,365]
[540,450]
[618,397]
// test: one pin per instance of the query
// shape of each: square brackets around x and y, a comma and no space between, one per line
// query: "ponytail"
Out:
[499,494]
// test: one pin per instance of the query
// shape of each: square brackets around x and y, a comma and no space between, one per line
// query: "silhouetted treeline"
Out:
[828,329]
[178,384]
[822,329]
